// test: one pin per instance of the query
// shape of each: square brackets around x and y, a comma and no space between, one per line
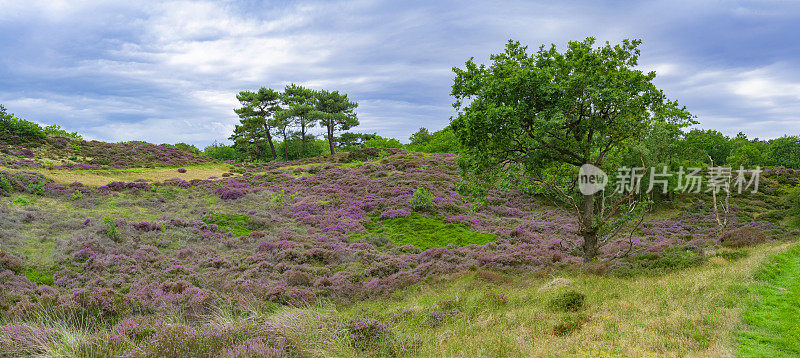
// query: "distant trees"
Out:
[296,110]
[335,112]
[257,121]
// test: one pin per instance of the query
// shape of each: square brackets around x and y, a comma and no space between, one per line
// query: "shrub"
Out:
[221,151]
[569,301]
[741,237]
[371,335]
[13,126]
[57,131]
[181,170]
[10,262]
[422,199]
[110,229]
[673,258]
[380,142]
[5,185]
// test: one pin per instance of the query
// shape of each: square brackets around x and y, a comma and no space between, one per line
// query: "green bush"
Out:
[13,126]
[422,199]
[381,142]
[56,131]
[5,185]
[110,229]
[569,301]
[221,151]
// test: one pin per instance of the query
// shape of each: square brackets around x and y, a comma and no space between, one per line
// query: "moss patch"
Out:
[425,233]
[238,224]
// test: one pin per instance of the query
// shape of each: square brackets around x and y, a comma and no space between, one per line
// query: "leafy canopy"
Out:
[546,109]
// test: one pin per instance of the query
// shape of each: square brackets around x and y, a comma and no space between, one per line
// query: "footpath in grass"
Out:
[772,320]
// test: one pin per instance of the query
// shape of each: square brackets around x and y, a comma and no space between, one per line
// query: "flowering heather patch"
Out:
[341,231]
[92,155]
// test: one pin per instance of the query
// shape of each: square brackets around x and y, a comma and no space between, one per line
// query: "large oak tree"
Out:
[529,114]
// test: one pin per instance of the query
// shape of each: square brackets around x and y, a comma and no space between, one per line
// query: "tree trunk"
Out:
[258,150]
[588,231]
[330,138]
[271,145]
[285,146]
[303,139]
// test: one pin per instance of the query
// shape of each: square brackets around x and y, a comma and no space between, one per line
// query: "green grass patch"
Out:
[41,278]
[425,232]
[772,328]
[238,224]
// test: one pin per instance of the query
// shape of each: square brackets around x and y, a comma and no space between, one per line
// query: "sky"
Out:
[169,71]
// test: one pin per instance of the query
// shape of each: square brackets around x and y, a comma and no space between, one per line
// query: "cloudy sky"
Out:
[169,71]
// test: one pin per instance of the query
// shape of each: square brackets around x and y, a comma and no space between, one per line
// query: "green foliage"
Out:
[282,197]
[13,126]
[35,187]
[381,142]
[569,301]
[443,141]
[747,156]
[422,199]
[221,151]
[314,147]
[784,151]
[257,121]
[335,112]
[527,114]
[183,146]
[5,185]
[110,229]
[425,233]
[77,195]
[704,144]
[41,278]
[299,112]
[57,131]
[238,224]
[350,141]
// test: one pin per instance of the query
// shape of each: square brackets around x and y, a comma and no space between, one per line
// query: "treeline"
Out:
[262,109]
[712,147]
[18,129]
[294,147]
[267,116]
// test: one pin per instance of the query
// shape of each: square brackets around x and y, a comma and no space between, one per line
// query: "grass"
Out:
[772,328]
[103,177]
[238,224]
[425,232]
[691,312]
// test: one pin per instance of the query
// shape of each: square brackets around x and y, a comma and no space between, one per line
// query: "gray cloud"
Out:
[169,71]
